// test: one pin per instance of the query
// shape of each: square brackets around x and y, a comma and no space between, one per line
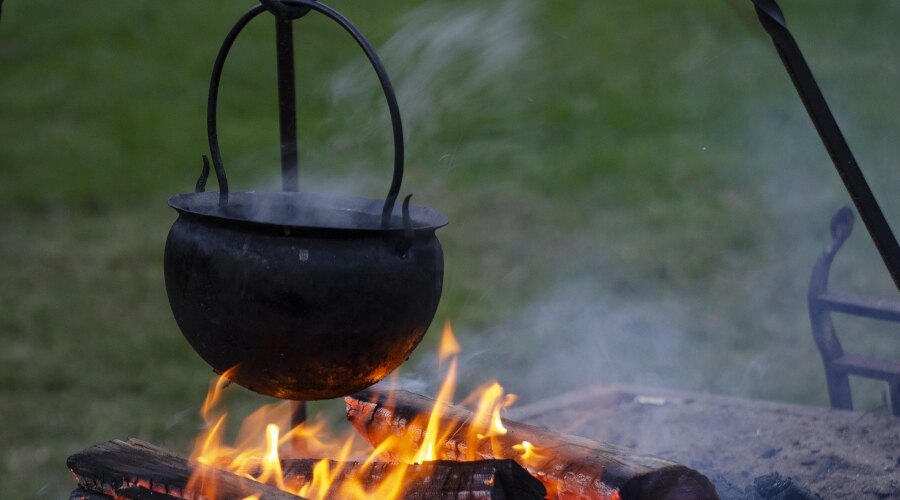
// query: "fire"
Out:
[257,452]
[271,464]
[529,452]
[433,435]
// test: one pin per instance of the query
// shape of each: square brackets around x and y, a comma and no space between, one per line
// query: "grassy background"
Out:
[635,192]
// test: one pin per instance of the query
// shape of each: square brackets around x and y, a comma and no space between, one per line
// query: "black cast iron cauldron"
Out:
[302,296]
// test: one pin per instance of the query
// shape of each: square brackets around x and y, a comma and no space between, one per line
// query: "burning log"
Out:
[438,479]
[137,470]
[570,466]
[83,494]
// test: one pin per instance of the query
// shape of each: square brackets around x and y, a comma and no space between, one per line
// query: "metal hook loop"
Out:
[408,231]
[283,10]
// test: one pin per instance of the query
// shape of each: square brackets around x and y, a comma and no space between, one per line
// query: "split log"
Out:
[137,470]
[125,493]
[571,467]
[484,479]
[83,494]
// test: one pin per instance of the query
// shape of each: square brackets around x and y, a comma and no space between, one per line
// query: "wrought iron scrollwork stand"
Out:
[840,364]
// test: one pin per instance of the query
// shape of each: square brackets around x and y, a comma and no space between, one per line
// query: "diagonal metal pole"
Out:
[772,19]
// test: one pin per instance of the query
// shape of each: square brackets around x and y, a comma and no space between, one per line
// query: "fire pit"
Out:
[417,447]
[740,444]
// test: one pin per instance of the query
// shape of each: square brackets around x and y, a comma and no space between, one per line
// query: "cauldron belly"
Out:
[301,316]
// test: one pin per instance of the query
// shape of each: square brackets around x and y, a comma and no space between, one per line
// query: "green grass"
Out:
[635,192]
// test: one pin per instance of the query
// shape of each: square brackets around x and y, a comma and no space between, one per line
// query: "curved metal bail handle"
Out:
[387,88]
[772,20]
[390,97]
[212,133]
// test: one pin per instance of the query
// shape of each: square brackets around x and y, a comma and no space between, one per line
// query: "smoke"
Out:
[442,55]
[578,334]
[721,308]
[717,303]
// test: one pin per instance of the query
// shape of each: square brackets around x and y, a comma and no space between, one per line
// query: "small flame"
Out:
[449,345]
[215,392]
[527,450]
[433,435]
[271,463]
[320,483]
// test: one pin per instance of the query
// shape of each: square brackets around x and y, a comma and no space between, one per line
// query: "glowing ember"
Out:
[256,451]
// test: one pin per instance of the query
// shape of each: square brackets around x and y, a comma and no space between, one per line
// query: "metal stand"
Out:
[839,364]
[287,105]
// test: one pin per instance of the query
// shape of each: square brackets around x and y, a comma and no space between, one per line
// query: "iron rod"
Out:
[772,19]
[287,105]
[298,417]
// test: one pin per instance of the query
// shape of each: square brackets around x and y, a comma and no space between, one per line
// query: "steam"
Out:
[581,329]
[741,329]
[578,335]
[575,336]
[436,44]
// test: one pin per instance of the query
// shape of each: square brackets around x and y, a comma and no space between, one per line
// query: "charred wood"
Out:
[83,494]
[483,479]
[572,467]
[136,470]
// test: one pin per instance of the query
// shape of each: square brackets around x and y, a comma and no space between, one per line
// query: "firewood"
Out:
[83,494]
[572,467]
[484,479]
[135,470]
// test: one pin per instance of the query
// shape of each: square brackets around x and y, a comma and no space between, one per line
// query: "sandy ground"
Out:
[739,443]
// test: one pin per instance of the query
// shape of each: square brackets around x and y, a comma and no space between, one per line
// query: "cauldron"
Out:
[299,295]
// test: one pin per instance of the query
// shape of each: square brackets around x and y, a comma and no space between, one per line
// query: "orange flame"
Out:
[256,452]
[528,451]
[433,435]
[449,345]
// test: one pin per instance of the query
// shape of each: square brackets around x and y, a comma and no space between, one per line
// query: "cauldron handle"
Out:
[298,8]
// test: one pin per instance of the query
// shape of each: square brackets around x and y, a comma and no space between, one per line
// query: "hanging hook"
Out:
[408,232]
[285,10]
[204,175]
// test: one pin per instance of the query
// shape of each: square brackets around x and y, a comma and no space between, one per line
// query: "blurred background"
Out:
[635,193]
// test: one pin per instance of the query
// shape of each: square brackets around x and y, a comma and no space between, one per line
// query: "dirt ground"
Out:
[739,443]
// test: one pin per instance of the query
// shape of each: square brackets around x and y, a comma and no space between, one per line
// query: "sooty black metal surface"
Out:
[301,312]
[292,294]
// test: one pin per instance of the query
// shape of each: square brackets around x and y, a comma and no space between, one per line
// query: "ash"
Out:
[750,449]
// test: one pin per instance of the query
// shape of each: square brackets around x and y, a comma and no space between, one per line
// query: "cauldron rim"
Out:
[304,210]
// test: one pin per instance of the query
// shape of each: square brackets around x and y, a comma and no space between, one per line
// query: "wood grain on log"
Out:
[484,479]
[137,470]
[134,470]
[83,494]
[570,466]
